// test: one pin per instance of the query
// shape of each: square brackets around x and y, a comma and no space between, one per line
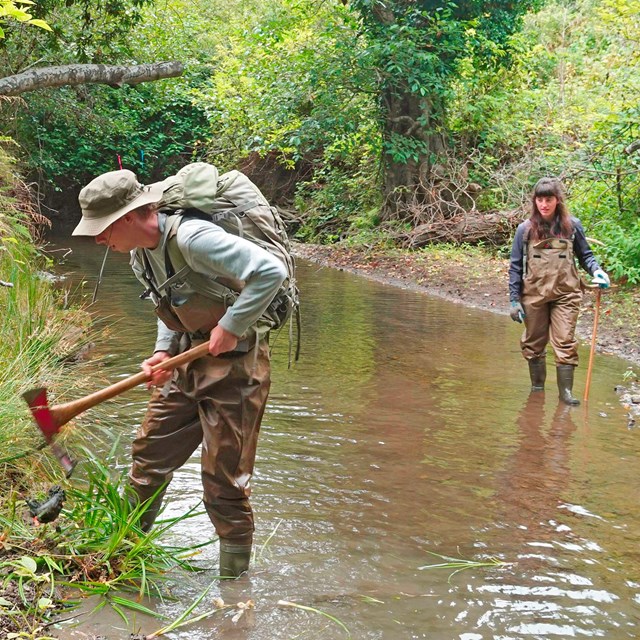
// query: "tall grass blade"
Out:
[184,619]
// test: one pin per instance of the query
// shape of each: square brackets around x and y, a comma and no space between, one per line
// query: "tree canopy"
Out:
[420,120]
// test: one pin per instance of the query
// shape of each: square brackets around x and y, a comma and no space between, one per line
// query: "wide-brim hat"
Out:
[109,197]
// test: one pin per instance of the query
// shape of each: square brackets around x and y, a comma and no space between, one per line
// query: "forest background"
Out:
[403,123]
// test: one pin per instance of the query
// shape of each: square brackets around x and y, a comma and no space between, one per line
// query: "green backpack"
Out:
[234,203]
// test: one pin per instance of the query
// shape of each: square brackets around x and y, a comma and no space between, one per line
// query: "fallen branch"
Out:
[469,228]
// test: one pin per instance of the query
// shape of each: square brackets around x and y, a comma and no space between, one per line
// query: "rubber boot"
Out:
[565,383]
[234,559]
[150,514]
[538,373]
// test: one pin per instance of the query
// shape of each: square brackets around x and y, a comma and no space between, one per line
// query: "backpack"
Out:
[234,203]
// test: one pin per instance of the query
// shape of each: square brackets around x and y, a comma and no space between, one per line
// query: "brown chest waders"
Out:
[551,295]
[219,403]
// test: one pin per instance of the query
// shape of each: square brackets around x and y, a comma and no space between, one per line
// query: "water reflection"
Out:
[530,495]
[406,428]
[531,487]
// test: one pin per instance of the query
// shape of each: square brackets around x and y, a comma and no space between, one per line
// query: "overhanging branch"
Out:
[634,146]
[74,74]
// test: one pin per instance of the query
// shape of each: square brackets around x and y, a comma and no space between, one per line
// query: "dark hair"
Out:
[560,226]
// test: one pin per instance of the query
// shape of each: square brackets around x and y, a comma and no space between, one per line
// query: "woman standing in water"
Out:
[544,286]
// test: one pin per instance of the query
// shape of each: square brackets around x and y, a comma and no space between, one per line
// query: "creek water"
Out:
[405,433]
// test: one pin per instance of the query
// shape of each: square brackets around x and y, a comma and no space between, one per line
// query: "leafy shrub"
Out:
[71,135]
[622,251]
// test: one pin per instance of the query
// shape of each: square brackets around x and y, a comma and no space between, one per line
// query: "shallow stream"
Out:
[405,433]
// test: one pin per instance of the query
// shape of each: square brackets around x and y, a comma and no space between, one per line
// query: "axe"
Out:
[51,419]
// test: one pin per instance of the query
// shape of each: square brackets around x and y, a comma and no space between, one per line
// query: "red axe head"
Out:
[45,419]
[51,419]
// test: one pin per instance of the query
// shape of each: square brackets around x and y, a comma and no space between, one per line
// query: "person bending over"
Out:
[217,400]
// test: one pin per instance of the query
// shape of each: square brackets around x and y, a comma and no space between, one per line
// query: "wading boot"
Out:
[234,559]
[538,373]
[565,383]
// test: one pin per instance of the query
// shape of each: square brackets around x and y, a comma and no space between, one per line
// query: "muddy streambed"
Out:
[405,433]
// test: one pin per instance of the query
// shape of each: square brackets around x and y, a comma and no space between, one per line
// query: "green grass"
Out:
[102,544]
[96,546]
[36,333]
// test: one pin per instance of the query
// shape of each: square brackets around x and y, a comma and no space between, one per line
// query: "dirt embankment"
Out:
[480,280]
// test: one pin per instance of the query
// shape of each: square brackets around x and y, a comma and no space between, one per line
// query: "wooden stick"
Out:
[596,315]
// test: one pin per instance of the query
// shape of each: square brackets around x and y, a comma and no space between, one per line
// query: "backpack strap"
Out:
[148,277]
[235,212]
[238,211]
[178,270]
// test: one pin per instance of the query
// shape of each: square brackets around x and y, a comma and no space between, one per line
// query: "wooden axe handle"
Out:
[64,412]
[133,381]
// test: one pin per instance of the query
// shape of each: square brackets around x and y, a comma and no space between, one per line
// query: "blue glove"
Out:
[517,312]
[601,278]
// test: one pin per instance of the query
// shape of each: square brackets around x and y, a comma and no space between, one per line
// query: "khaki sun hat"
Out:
[109,197]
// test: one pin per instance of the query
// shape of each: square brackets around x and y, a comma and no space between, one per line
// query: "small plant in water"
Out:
[460,564]
[97,547]
[103,533]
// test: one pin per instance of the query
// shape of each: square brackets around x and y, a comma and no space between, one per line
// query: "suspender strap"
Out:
[148,277]
[175,277]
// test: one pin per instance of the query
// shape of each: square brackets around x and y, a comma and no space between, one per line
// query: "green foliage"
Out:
[78,31]
[97,547]
[73,135]
[568,106]
[344,92]
[403,149]
[10,10]
[278,87]
[621,252]
[35,331]
[341,196]
[102,538]
[456,565]
[288,87]
[415,49]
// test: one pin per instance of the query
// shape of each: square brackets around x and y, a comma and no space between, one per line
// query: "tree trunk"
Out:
[408,183]
[75,74]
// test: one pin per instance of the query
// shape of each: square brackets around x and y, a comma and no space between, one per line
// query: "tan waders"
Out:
[218,402]
[551,295]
